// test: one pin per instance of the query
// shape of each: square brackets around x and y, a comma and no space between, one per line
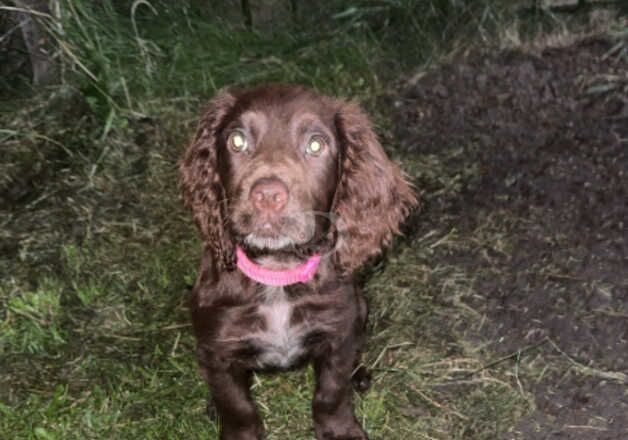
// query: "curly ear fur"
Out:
[201,183]
[373,196]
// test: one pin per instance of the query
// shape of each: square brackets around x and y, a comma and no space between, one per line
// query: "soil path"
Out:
[539,144]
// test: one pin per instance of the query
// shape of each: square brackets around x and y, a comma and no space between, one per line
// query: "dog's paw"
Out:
[356,434]
[340,430]
[361,379]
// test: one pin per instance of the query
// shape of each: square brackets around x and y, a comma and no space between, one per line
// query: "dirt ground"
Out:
[538,142]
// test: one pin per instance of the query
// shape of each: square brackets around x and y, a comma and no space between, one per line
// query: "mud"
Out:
[539,143]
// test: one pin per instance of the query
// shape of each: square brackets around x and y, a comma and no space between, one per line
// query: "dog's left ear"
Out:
[373,195]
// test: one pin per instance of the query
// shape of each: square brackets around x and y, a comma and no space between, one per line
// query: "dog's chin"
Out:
[269,242]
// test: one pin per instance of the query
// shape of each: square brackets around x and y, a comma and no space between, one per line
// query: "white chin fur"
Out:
[268,242]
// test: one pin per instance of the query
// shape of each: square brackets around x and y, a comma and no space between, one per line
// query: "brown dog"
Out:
[292,193]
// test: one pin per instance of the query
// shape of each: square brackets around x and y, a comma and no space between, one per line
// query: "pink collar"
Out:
[279,278]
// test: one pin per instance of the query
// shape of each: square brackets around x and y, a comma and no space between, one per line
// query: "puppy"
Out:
[292,193]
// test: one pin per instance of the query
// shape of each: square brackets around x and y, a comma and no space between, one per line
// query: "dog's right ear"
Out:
[201,184]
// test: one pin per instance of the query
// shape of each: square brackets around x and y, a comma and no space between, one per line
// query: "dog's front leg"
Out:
[230,389]
[332,406]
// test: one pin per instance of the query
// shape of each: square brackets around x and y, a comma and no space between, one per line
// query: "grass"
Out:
[98,255]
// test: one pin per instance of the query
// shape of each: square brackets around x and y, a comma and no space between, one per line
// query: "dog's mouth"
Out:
[268,242]
[269,227]
[280,232]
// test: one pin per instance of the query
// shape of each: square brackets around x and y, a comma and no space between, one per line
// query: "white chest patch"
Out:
[280,343]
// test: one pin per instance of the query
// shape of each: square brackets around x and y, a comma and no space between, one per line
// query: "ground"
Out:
[538,140]
[501,313]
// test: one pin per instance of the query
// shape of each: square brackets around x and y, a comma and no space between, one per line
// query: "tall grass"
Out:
[125,56]
[135,54]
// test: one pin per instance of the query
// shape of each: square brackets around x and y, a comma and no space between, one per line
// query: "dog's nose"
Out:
[269,194]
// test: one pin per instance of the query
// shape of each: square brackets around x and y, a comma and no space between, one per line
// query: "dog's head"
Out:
[281,167]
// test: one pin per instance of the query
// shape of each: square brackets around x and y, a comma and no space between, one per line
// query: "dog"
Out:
[292,194]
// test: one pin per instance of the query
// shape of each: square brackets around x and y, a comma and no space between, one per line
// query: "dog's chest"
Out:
[280,343]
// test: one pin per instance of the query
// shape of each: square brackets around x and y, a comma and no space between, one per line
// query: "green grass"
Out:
[98,255]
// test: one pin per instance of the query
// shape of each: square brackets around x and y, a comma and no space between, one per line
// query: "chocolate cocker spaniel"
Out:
[292,193]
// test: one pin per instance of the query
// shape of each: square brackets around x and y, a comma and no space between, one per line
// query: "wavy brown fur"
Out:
[243,326]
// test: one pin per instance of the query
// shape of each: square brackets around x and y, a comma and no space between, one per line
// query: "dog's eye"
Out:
[237,141]
[315,146]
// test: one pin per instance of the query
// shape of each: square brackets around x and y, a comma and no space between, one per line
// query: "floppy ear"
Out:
[201,183]
[373,195]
